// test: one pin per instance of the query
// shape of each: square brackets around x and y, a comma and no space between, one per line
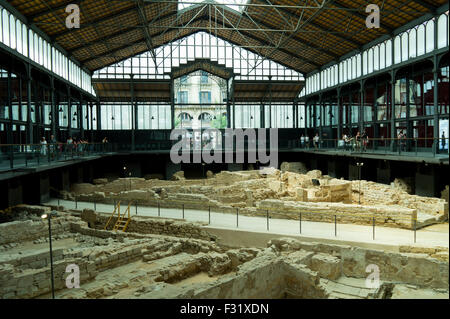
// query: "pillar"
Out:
[339,115]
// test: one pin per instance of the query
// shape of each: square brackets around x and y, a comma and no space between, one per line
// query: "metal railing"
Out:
[394,146]
[232,217]
[14,156]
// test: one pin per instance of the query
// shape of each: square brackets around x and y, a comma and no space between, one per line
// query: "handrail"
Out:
[114,212]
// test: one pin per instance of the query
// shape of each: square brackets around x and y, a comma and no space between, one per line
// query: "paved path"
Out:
[429,236]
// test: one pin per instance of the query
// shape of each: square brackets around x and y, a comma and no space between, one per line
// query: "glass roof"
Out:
[232,4]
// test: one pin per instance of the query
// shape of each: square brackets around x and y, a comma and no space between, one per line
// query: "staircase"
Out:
[349,288]
[123,220]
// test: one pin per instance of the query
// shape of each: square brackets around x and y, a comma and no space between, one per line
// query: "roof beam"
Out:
[95,22]
[144,22]
[204,18]
[317,26]
[305,42]
[389,29]
[138,41]
[44,12]
[427,5]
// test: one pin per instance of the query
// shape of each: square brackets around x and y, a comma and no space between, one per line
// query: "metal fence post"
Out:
[415,229]
[95,205]
[373,233]
[267,220]
[209,215]
[136,207]
[335,226]
[237,217]
[300,219]
[159,209]
[183,210]
[76,203]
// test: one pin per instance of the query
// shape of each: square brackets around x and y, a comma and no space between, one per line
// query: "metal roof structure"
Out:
[302,35]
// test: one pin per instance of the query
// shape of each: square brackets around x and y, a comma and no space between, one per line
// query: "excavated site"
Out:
[163,258]
[283,193]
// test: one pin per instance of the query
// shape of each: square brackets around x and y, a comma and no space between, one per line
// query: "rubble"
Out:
[312,192]
[164,258]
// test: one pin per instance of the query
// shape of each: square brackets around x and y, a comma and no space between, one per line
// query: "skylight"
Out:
[232,4]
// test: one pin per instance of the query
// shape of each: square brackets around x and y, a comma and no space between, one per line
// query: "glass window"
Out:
[24,40]
[405,46]
[182,97]
[412,43]
[421,40]
[5,27]
[205,97]
[400,98]
[19,36]
[430,36]
[12,32]
[388,53]
[397,50]
[443,31]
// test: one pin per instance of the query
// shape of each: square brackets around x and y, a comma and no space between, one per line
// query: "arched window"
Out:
[5,27]
[184,116]
[376,58]
[420,40]
[388,53]
[358,65]
[382,56]
[397,50]
[364,62]
[36,47]
[442,31]
[405,46]
[370,62]
[412,43]
[24,40]
[19,36]
[12,32]
[205,117]
[430,36]
[336,75]
[31,48]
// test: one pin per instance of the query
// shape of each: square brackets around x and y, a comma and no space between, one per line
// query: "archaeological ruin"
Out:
[223,158]
[156,256]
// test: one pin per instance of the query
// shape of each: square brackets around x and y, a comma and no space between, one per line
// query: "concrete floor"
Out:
[436,235]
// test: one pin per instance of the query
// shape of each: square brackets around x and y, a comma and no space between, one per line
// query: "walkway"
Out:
[437,235]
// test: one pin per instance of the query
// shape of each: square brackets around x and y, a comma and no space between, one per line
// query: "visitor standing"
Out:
[316,141]
[43,146]
[302,141]
[52,146]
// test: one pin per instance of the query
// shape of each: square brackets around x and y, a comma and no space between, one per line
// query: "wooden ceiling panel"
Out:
[321,36]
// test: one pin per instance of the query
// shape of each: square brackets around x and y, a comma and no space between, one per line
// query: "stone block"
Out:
[327,266]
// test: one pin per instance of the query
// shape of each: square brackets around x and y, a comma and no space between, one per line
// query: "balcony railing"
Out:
[17,156]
